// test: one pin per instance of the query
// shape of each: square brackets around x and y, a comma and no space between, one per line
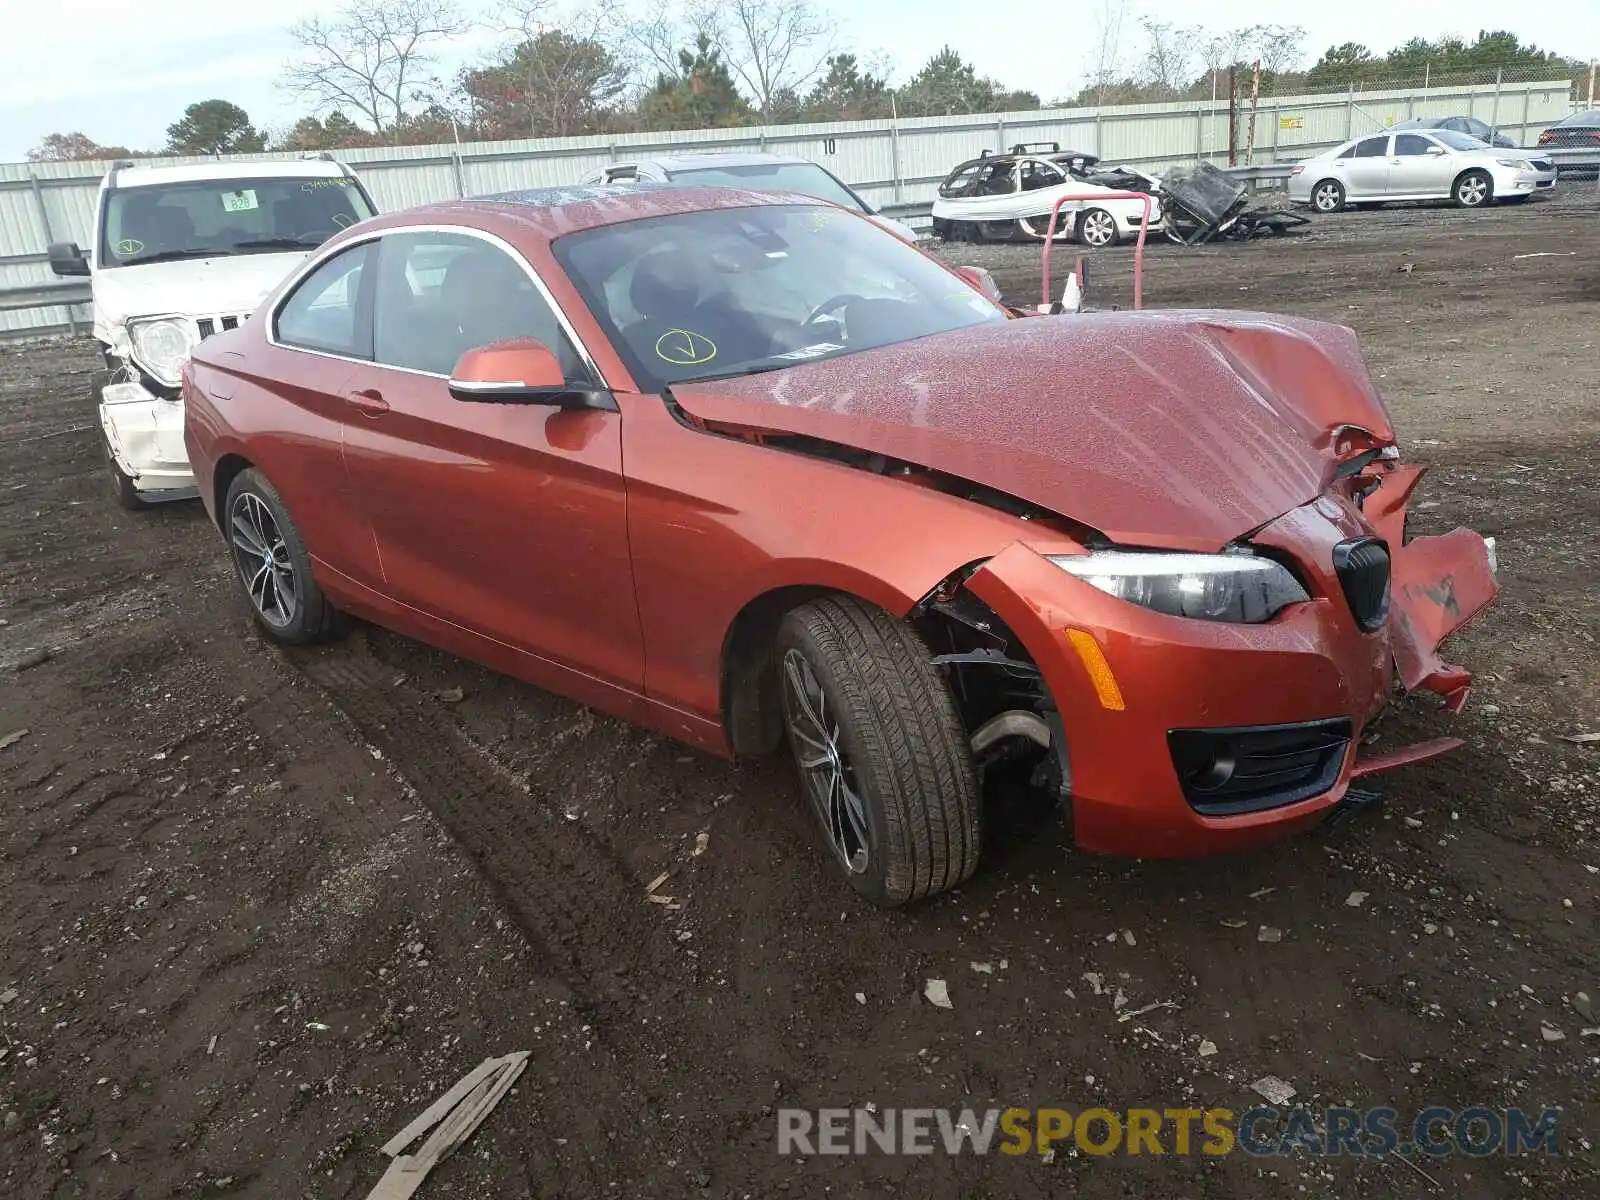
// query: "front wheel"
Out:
[272,564]
[122,486]
[1097,229]
[884,761]
[1473,190]
[1328,196]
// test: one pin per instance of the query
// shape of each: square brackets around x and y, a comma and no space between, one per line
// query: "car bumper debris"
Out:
[144,433]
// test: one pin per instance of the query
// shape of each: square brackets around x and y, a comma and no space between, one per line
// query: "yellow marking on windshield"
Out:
[685,348]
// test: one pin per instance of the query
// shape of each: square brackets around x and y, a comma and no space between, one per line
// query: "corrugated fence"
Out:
[888,162]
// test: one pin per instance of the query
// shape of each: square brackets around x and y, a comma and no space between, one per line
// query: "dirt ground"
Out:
[258,909]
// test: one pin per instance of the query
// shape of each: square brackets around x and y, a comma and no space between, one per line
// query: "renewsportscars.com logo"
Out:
[1263,1130]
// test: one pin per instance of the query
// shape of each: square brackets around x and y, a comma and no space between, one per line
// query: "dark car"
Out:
[1470,126]
[1581,131]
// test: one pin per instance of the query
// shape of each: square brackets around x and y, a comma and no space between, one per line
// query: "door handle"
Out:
[369,402]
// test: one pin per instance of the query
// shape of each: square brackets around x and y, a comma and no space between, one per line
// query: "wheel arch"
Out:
[229,467]
[748,694]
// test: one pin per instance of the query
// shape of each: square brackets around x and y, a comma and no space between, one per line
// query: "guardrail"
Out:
[44,295]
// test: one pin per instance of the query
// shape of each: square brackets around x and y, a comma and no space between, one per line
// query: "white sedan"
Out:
[1420,164]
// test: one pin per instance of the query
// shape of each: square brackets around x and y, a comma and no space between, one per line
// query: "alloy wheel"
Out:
[830,782]
[1327,198]
[1472,191]
[262,557]
[1099,228]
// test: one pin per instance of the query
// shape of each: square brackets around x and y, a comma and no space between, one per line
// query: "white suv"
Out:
[181,253]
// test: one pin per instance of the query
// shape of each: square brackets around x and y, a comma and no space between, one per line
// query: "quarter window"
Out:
[442,294]
[325,311]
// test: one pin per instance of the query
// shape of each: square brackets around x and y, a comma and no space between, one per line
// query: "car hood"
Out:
[1182,430]
[194,287]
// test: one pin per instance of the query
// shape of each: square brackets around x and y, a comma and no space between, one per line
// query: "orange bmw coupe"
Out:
[746,469]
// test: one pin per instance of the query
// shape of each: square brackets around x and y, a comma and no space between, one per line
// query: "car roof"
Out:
[1589,116]
[714,159]
[312,168]
[549,213]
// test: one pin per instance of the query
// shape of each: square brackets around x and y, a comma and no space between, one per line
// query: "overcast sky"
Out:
[122,73]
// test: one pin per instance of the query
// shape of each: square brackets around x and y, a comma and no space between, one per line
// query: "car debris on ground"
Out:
[453,1118]
[1010,197]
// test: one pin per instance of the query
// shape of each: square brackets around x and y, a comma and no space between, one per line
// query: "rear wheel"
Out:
[1097,229]
[884,761]
[1328,196]
[1473,190]
[273,566]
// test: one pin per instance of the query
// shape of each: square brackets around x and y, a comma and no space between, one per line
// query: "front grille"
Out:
[210,325]
[1363,569]
[1225,772]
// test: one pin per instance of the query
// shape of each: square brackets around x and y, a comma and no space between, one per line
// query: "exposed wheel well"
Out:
[229,467]
[750,705]
[1456,182]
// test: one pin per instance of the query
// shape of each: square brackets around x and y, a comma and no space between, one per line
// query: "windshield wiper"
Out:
[278,243]
[172,255]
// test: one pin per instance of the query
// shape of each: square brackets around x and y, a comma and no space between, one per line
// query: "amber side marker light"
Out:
[1094,661]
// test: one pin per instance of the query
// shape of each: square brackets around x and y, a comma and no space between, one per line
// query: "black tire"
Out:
[1097,229]
[128,496]
[306,615]
[1327,196]
[900,748]
[1474,189]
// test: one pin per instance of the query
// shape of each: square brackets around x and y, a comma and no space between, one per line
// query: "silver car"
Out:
[1420,164]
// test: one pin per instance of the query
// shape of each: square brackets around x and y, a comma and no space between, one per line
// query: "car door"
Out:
[1419,166]
[506,520]
[317,334]
[1366,168]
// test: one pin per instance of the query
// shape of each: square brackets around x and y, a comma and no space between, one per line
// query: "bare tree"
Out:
[1107,51]
[372,57]
[1169,54]
[560,71]
[659,36]
[1279,48]
[775,47]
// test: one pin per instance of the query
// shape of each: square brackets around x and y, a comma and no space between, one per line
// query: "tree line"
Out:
[369,74]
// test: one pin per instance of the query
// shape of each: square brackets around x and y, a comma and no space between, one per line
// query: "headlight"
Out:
[1209,587]
[1516,164]
[160,346]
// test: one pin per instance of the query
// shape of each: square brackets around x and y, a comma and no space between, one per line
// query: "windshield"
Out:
[739,290]
[1458,141]
[807,179]
[211,217]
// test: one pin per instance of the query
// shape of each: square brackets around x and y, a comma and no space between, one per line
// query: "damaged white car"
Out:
[1009,197]
[180,253]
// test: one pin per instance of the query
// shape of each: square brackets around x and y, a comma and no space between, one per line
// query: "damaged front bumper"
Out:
[144,435]
[1187,737]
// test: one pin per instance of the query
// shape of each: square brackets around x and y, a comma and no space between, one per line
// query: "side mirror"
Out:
[67,259]
[980,279]
[518,371]
[1435,149]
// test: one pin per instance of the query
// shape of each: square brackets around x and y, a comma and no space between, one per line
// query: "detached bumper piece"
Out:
[144,433]
[1246,769]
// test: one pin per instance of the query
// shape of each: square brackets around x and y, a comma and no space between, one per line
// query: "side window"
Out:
[442,294]
[324,311]
[1479,130]
[1373,147]
[1410,143]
